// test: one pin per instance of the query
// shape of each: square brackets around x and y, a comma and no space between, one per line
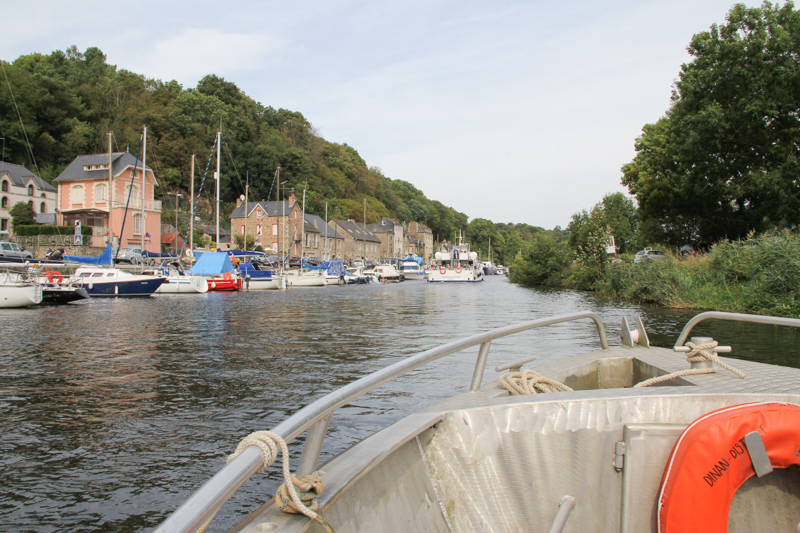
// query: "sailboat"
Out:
[302,277]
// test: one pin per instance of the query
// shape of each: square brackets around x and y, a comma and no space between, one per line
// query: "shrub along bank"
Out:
[759,275]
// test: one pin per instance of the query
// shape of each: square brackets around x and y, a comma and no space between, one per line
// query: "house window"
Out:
[100,192]
[137,224]
[274,229]
[32,208]
[77,194]
[274,246]
[5,186]
[258,214]
[258,230]
[4,202]
[3,224]
[242,229]
[42,208]
[30,190]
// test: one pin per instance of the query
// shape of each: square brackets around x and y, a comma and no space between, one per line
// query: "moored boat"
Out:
[60,289]
[176,281]
[625,438]
[412,268]
[218,271]
[17,291]
[258,278]
[108,281]
[456,264]
[305,278]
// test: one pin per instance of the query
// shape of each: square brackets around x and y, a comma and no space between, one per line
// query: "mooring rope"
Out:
[287,497]
[696,354]
[530,382]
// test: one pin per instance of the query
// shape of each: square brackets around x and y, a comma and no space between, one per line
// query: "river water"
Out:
[115,410]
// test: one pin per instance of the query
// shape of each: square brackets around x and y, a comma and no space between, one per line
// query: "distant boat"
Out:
[16,291]
[218,270]
[176,281]
[459,264]
[255,277]
[57,289]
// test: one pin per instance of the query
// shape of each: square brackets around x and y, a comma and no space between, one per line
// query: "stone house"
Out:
[391,234]
[275,225]
[95,191]
[321,240]
[423,234]
[359,242]
[18,184]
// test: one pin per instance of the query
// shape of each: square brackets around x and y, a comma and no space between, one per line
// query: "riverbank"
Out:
[757,275]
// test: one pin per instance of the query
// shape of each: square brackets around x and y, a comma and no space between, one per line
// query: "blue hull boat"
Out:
[100,281]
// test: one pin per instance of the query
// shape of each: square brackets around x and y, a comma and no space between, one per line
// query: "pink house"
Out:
[88,193]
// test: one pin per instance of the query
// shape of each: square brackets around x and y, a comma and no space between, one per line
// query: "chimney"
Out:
[238,201]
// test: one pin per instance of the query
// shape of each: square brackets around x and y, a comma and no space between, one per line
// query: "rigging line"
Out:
[128,201]
[235,170]
[25,133]
[199,192]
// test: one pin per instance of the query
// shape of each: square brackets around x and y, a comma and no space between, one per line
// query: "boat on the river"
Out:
[300,277]
[625,438]
[176,281]
[16,290]
[384,273]
[412,268]
[108,281]
[217,269]
[257,276]
[456,264]
[58,288]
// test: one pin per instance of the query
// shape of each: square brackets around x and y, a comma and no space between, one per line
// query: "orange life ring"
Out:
[227,275]
[443,270]
[458,269]
[51,276]
[710,462]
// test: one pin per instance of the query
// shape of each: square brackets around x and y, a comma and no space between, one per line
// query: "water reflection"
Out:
[115,410]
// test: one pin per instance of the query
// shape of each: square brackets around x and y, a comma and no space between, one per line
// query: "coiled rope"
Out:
[696,354]
[287,497]
[530,382]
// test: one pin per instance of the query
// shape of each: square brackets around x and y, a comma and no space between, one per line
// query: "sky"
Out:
[512,111]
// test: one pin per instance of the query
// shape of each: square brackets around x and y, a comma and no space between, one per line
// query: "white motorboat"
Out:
[412,270]
[356,274]
[383,273]
[629,438]
[176,281]
[305,278]
[17,291]
[458,264]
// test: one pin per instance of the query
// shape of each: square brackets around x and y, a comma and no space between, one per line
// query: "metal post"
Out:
[480,365]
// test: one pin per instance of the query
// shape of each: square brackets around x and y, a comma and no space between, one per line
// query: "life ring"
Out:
[443,270]
[54,277]
[227,275]
[458,269]
[710,461]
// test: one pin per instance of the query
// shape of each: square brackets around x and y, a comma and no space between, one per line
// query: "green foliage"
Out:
[240,241]
[22,214]
[724,159]
[543,264]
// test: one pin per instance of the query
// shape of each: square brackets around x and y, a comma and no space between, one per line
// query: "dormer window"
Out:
[30,190]
[101,166]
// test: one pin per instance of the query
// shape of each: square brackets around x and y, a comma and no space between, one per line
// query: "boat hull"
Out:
[223,284]
[12,296]
[112,282]
[264,284]
[455,275]
[59,294]
[305,279]
[183,285]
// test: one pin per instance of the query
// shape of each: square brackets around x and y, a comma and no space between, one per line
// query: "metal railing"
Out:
[737,317]
[315,417]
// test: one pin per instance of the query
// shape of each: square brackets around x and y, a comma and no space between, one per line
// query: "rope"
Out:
[530,382]
[309,485]
[697,354]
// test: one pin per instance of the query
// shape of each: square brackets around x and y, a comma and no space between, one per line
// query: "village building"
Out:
[321,240]
[210,234]
[18,184]
[274,225]
[116,202]
[359,242]
[391,234]
[424,235]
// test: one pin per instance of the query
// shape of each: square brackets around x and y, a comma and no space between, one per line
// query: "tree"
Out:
[22,214]
[725,158]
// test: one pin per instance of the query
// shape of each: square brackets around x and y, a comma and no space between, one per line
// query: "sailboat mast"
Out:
[219,150]
[191,203]
[144,172]
[303,231]
[325,245]
[110,199]
[246,218]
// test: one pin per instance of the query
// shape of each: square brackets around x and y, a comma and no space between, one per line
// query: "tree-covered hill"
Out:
[54,107]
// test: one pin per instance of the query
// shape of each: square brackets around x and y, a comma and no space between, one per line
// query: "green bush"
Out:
[29,231]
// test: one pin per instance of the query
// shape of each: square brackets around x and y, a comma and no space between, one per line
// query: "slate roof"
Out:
[21,176]
[356,230]
[273,209]
[120,162]
[315,224]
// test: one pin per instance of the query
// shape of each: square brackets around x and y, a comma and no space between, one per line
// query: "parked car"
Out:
[295,262]
[648,254]
[314,261]
[130,255]
[12,249]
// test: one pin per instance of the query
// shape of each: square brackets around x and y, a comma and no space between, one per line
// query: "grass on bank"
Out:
[757,275]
